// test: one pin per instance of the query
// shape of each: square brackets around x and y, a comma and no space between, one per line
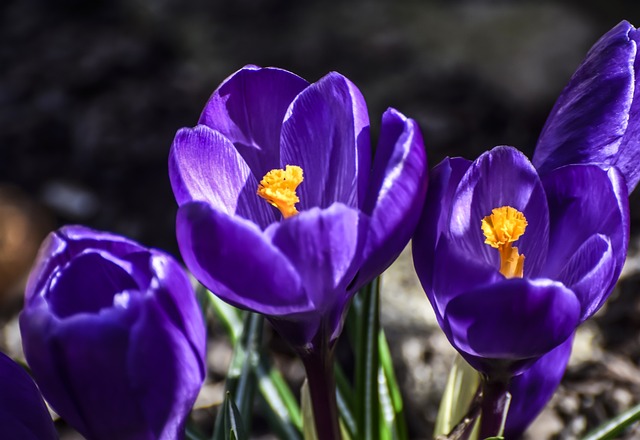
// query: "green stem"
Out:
[367,362]
[613,428]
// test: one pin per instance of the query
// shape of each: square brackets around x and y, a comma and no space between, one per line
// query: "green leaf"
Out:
[459,392]
[284,413]
[615,427]
[366,362]
[391,407]
[344,432]
[505,412]
[241,378]
[391,403]
[233,425]
[308,423]
[346,402]
[230,317]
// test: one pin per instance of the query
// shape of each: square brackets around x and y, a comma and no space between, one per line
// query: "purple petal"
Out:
[619,231]
[448,263]
[514,319]
[178,299]
[51,254]
[501,177]
[301,329]
[98,291]
[79,364]
[204,165]
[588,273]
[531,391]
[89,272]
[248,108]
[37,325]
[147,374]
[233,258]
[629,150]
[80,237]
[585,200]
[167,389]
[443,181]
[326,132]
[590,122]
[59,246]
[396,195]
[23,414]
[325,248]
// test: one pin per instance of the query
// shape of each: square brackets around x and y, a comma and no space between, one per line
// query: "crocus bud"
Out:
[23,413]
[595,119]
[113,335]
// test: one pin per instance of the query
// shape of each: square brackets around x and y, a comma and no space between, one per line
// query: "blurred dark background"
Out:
[92,93]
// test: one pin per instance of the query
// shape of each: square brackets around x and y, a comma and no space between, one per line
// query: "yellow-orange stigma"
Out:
[278,187]
[501,228]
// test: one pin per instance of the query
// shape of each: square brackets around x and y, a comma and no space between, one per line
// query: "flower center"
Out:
[278,187]
[501,228]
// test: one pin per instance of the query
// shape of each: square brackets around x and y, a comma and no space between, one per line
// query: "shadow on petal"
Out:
[248,108]
[512,320]
[321,134]
[484,188]
[234,259]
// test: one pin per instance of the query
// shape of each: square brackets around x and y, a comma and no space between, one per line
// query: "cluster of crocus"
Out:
[114,336]
[567,213]
[284,212]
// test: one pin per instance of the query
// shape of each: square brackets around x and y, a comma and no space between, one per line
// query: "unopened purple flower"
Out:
[281,211]
[514,256]
[595,119]
[113,335]
[23,414]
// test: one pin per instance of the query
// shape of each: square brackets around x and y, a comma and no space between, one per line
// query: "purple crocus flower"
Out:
[574,244]
[576,224]
[281,212]
[23,414]
[595,119]
[514,255]
[113,335]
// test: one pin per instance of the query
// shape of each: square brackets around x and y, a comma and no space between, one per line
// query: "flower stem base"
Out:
[495,406]
[322,388]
